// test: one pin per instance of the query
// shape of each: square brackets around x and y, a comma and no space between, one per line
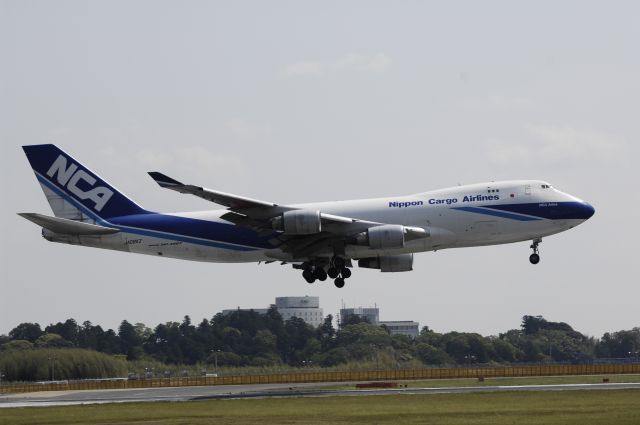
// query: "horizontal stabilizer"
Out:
[67,227]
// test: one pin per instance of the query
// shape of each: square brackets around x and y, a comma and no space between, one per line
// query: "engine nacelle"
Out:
[389,263]
[386,236]
[298,222]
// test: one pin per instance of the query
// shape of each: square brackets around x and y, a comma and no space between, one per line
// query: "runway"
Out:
[67,398]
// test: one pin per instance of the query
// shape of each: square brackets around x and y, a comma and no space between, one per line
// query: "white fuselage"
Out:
[463,216]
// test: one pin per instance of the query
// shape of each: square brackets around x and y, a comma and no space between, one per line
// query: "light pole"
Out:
[215,360]
[374,348]
[470,358]
[52,366]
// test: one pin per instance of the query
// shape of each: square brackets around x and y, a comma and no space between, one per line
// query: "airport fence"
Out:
[331,376]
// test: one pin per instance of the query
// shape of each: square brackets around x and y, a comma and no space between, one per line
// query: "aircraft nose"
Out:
[586,210]
[589,210]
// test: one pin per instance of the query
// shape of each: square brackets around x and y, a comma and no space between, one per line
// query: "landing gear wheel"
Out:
[333,272]
[339,282]
[338,262]
[308,276]
[320,274]
[535,257]
[346,273]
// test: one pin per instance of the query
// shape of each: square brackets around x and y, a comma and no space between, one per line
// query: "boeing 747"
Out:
[323,239]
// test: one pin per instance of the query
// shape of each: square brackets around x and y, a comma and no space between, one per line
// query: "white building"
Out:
[305,308]
[402,327]
[228,311]
[371,314]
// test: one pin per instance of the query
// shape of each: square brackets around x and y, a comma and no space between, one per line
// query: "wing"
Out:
[259,215]
[228,200]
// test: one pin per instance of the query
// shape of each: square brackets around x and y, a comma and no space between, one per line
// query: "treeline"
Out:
[54,364]
[246,338]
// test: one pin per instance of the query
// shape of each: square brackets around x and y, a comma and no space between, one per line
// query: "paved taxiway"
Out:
[65,398]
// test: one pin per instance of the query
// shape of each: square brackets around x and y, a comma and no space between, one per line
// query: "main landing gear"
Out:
[535,257]
[311,273]
[337,271]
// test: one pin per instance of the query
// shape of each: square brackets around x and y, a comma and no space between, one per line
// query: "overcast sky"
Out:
[307,101]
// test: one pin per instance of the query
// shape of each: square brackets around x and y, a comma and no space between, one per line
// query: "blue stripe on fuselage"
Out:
[200,232]
[495,213]
[549,210]
[535,211]
[195,228]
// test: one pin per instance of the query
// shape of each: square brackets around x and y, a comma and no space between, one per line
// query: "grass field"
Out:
[490,382]
[593,407]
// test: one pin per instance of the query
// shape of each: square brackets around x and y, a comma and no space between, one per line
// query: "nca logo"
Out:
[70,177]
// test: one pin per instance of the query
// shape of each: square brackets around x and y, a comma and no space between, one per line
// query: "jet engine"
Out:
[389,236]
[388,263]
[298,222]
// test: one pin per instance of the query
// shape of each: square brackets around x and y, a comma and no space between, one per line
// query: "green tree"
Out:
[51,340]
[431,355]
[142,331]
[363,333]
[65,363]
[68,330]
[533,324]
[326,332]
[296,335]
[504,350]
[264,342]
[130,340]
[26,331]
[17,345]
[620,344]
[335,356]
[108,341]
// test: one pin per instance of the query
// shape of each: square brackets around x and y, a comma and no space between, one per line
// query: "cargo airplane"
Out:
[321,239]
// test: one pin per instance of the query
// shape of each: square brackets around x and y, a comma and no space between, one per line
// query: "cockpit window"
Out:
[546,186]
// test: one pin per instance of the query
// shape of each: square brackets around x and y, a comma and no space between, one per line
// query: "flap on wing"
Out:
[66,226]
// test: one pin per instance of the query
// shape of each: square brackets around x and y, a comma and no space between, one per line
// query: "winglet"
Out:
[163,180]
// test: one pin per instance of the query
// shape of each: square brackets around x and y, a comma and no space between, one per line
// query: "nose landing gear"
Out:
[535,257]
